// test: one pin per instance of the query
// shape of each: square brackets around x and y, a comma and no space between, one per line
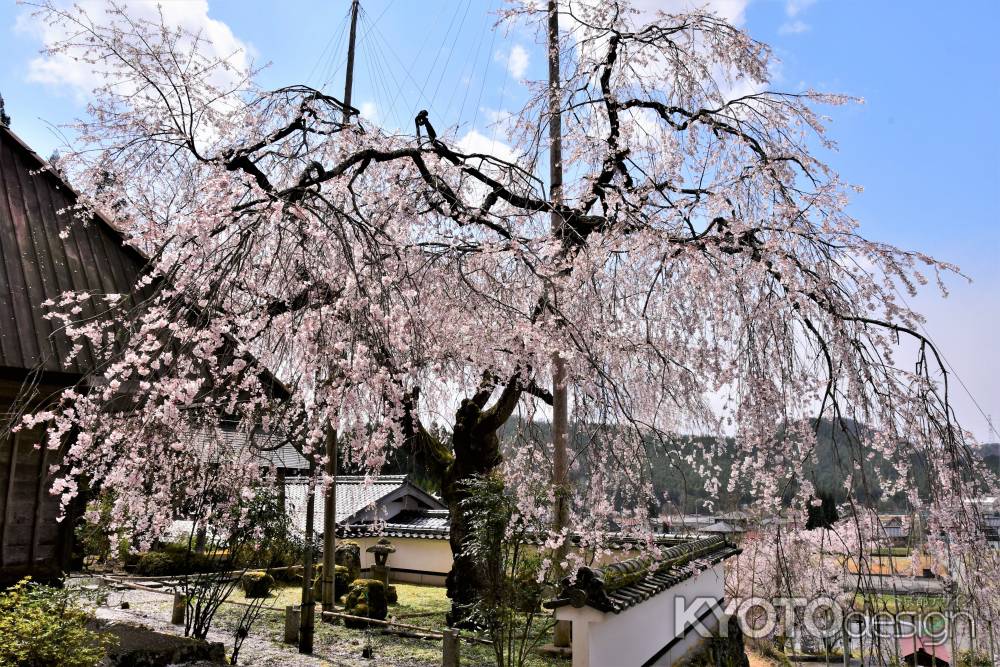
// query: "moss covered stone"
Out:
[257,584]
[348,555]
[366,597]
[341,581]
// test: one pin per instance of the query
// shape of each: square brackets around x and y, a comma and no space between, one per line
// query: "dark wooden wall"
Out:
[32,540]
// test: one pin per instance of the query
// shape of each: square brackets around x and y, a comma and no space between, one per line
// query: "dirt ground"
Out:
[333,644]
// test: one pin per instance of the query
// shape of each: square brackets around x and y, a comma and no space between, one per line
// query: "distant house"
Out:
[735,518]
[42,255]
[896,529]
[388,506]
[682,524]
[923,651]
[626,613]
[722,528]
[991,526]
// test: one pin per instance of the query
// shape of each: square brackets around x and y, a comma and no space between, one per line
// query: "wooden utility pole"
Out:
[560,404]
[349,77]
[307,618]
[328,593]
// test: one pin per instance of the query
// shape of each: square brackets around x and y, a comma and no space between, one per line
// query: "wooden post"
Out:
[8,497]
[450,655]
[952,629]
[561,635]
[292,624]
[993,650]
[329,597]
[845,630]
[308,614]
[40,493]
[179,609]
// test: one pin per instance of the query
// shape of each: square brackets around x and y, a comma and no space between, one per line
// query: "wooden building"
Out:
[44,251]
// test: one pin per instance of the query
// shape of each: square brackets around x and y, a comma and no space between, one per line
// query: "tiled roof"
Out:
[354,496]
[429,524]
[721,527]
[267,447]
[618,586]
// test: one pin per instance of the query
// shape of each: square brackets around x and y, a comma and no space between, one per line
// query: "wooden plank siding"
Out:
[32,541]
[45,250]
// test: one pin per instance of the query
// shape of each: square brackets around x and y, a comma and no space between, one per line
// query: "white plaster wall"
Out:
[632,637]
[412,553]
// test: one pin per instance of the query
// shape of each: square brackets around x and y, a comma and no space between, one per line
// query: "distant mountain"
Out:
[990,452]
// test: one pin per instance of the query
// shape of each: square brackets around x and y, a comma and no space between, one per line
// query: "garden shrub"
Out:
[391,595]
[973,659]
[341,581]
[257,584]
[156,563]
[528,592]
[367,598]
[289,575]
[42,626]
[175,559]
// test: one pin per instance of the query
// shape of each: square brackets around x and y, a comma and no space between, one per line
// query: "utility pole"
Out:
[328,593]
[349,77]
[307,617]
[560,404]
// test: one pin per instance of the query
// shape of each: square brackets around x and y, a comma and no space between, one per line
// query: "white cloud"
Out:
[474,142]
[473,191]
[733,11]
[82,77]
[795,7]
[795,27]
[369,110]
[516,62]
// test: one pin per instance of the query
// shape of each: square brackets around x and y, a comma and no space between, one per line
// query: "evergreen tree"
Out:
[4,118]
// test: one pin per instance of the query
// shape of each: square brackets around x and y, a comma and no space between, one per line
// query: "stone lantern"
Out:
[381,550]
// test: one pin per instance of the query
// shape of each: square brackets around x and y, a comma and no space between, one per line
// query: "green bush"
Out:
[341,581]
[156,563]
[391,595]
[175,559]
[367,598]
[43,626]
[257,584]
[289,575]
[971,659]
[528,592]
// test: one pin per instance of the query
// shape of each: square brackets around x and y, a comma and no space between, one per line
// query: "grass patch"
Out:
[427,605]
[280,596]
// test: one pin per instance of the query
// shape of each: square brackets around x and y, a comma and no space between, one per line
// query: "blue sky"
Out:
[924,145]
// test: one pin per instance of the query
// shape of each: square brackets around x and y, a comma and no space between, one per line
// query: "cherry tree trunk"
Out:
[477,452]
